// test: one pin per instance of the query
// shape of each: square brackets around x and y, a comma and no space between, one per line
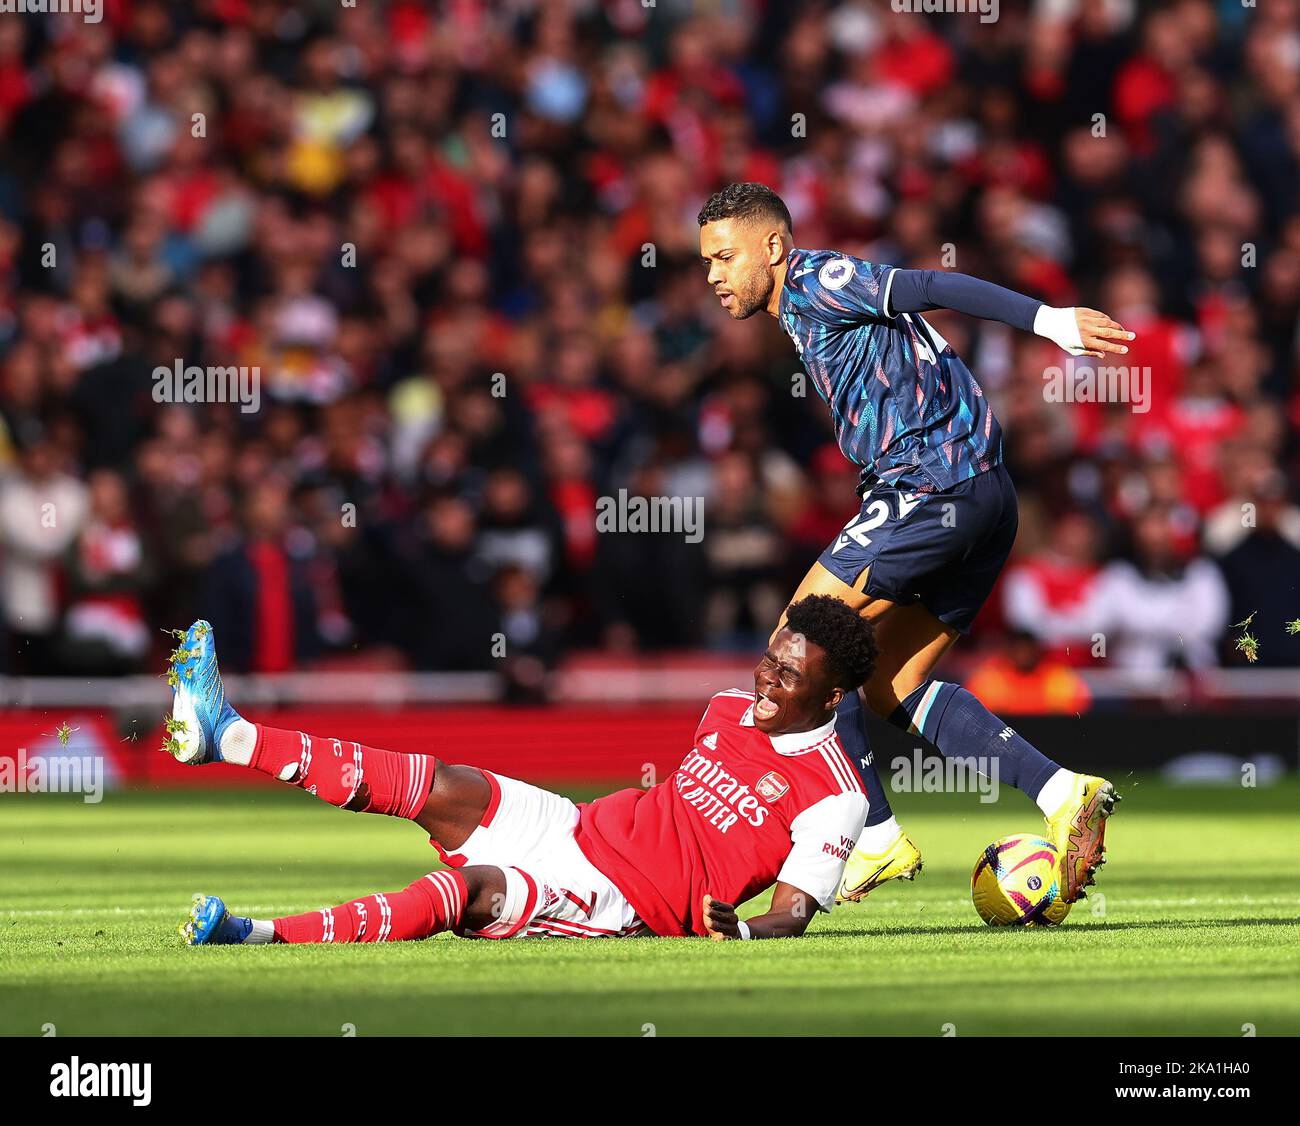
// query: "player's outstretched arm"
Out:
[788,917]
[1079,331]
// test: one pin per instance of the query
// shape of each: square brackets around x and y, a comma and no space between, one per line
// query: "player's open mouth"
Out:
[764,709]
[726,299]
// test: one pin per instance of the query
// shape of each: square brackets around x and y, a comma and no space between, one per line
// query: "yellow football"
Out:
[1015,883]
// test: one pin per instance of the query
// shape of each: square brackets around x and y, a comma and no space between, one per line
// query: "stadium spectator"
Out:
[259,590]
[1162,609]
[1052,595]
[1263,575]
[1019,678]
[649,590]
[743,548]
[450,625]
[42,511]
[1254,474]
[524,643]
[105,630]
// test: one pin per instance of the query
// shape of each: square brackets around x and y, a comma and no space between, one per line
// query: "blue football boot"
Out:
[200,711]
[210,924]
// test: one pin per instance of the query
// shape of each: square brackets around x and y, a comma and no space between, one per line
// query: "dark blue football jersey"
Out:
[904,406]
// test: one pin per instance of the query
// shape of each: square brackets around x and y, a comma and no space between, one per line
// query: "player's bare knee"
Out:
[455,786]
[443,788]
[485,886]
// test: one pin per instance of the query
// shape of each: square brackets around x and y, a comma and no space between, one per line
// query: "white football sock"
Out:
[1055,790]
[263,931]
[238,741]
[876,838]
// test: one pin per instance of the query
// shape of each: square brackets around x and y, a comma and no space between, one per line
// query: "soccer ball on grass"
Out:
[1015,883]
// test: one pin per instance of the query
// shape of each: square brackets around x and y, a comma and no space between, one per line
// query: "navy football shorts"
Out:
[943,550]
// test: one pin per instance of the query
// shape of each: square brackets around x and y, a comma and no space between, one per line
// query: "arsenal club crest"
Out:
[771,786]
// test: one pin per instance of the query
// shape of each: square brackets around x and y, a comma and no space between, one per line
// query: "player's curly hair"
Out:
[848,638]
[745,201]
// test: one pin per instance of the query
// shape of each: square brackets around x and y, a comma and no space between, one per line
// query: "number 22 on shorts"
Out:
[871,517]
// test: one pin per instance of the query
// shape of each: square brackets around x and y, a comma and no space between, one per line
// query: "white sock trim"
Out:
[876,838]
[263,931]
[1055,790]
[238,741]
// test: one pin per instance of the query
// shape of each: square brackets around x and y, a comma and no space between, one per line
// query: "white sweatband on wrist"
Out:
[743,927]
[1060,326]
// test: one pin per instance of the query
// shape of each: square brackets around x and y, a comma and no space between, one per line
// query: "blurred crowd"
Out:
[457,240]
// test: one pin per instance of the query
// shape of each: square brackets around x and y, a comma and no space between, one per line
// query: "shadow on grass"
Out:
[966,928]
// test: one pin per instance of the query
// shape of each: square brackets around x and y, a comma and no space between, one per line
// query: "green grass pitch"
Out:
[1196,930]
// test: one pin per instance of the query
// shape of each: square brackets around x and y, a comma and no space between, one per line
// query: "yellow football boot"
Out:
[866,871]
[1077,831]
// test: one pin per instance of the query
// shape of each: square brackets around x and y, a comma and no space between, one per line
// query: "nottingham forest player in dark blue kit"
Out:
[938,516]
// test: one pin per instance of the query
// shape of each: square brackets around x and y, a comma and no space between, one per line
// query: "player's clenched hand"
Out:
[1100,334]
[720,919]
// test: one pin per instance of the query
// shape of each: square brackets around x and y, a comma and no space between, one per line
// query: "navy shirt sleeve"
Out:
[916,291]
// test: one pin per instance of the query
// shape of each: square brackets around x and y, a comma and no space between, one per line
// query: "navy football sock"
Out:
[851,729]
[960,726]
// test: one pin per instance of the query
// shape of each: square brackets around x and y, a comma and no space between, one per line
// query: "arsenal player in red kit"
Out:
[765,796]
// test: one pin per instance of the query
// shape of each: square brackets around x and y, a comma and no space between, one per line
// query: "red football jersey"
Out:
[743,811]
